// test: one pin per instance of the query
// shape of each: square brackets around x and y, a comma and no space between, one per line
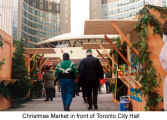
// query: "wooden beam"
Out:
[106,68]
[124,38]
[96,46]
[100,54]
[129,53]
[42,65]
[39,50]
[105,51]
[116,49]
[34,65]
[103,59]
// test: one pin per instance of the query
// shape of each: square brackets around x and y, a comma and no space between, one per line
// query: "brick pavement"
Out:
[104,102]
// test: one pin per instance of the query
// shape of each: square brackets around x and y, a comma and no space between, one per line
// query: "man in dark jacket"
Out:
[90,72]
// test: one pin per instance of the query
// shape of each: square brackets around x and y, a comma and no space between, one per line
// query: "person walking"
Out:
[91,72]
[66,73]
[48,79]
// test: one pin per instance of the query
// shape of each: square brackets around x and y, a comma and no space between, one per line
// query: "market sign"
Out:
[136,94]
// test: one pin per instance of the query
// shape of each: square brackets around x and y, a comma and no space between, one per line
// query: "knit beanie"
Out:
[89,52]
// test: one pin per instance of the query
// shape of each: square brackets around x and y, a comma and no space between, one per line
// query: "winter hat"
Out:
[89,52]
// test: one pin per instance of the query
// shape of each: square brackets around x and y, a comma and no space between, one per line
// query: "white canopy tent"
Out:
[73,36]
[74,52]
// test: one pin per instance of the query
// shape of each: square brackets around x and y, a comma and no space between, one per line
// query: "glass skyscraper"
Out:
[126,9]
[15,20]
[121,9]
[164,3]
[6,15]
[154,2]
[40,19]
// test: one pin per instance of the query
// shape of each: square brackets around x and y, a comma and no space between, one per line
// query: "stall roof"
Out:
[72,36]
[95,29]
[105,26]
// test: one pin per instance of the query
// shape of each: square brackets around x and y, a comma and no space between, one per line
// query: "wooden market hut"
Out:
[29,52]
[6,53]
[126,29]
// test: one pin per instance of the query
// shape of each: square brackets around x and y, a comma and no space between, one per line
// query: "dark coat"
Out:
[48,78]
[90,71]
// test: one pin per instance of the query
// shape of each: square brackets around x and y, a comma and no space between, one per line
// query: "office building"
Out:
[95,9]
[15,20]
[164,3]
[43,19]
[121,9]
[6,15]
[125,9]
[154,2]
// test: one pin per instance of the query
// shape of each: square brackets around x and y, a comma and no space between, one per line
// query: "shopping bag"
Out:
[103,89]
[102,81]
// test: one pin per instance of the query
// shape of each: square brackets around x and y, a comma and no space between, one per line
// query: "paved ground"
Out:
[104,102]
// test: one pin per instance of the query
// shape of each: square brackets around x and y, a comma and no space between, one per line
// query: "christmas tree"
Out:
[18,67]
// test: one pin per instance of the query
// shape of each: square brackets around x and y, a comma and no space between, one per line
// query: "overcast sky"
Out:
[79,13]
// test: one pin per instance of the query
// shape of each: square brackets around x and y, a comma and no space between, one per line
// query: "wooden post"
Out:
[27,62]
[113,61]
[129,54]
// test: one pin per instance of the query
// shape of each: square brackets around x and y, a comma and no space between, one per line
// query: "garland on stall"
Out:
[2,62]
[1,44]
[162,10]
[117,42]
[122,48]
[147,71]
[145,20]
[3,90]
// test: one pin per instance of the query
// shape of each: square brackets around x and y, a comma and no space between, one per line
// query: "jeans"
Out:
[67,90]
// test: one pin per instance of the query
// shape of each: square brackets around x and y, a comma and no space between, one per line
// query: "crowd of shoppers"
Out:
[71,79]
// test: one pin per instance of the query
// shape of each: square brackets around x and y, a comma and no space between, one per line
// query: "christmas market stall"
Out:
[144,76]
[6,47]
